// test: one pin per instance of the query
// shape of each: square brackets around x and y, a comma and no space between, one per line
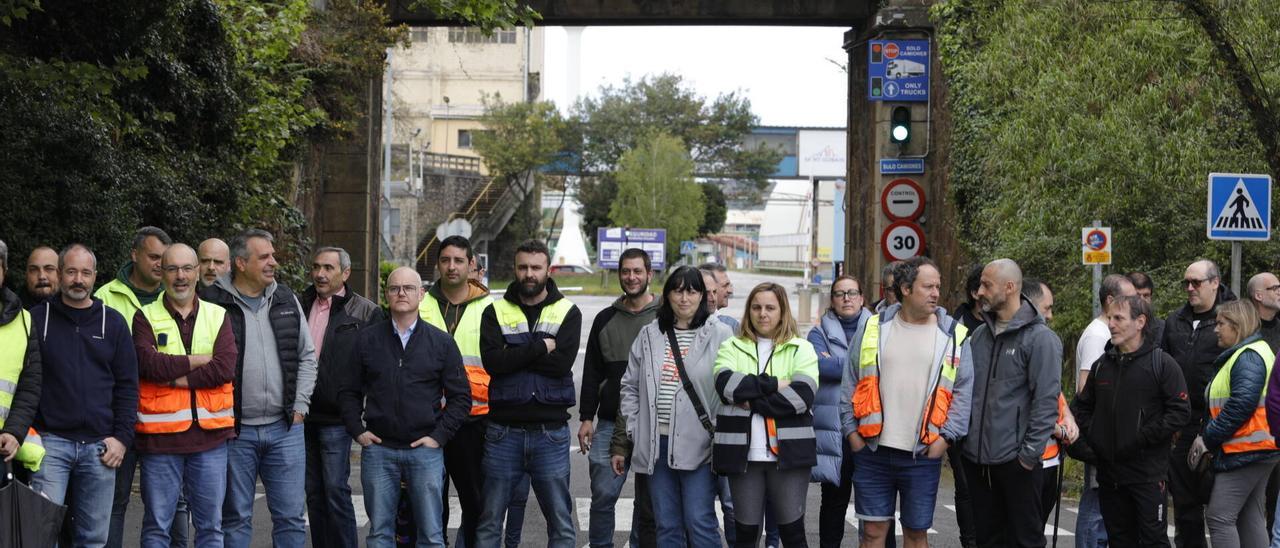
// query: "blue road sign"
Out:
[1239,207]
[892,166]
[612,241]
[687,247]
[898,70]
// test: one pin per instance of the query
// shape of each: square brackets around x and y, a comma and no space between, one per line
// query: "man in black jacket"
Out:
[1130,408]
[335,314]
[405,367]
[528,343]
[1189,338]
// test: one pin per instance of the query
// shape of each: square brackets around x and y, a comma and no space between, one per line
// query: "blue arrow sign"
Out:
[898,70]
[1239,207]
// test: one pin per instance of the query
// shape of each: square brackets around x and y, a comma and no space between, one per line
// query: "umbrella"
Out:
[30,519]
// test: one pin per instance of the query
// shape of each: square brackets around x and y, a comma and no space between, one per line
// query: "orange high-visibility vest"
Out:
[168,410]
[1253,435]
[467,336]
[1051,449]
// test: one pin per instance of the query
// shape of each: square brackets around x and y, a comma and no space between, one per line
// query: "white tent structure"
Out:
[571,248]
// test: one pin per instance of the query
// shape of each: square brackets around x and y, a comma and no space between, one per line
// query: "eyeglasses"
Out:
[1194,283]
[186,268]
[846,294]
[401,289]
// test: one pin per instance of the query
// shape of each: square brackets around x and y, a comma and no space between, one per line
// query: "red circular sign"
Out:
[902,200]
[902,240]
[1096,240]
[891,50]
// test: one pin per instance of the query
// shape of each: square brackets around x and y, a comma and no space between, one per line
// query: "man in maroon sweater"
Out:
[186,364]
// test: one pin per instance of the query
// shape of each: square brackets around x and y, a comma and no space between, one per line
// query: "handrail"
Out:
[469,214]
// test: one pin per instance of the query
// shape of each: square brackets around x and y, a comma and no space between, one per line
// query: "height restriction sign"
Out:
[1095,245]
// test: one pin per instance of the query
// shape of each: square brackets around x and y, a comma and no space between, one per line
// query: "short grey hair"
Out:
[240,243]
[62,255]
[4,256]
[140,237]
[712,267]
[344,258]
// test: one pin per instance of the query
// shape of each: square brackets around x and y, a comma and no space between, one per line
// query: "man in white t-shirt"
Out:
[1090,531]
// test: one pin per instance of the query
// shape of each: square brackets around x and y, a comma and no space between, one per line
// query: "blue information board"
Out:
[612,241]
[898,70]
[1239,207]
[894,166]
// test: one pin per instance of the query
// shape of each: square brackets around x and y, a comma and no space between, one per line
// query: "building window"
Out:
[474,36]
[464,138]
[419,35]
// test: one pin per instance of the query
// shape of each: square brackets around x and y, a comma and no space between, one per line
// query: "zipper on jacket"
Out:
[986,394]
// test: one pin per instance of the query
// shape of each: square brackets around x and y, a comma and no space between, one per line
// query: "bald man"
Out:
[186,365]
[1264,293]
[400,361]
[215,261]
[42,276]
[1016,362]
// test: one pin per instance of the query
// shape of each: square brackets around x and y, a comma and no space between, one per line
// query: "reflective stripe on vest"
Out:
[467,336]
[120,298]
[166,410]
[1051,449]
[1253,435]
[14,337]
[514,325]
[866,398]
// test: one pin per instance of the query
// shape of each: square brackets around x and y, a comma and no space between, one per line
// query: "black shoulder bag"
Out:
[688,384]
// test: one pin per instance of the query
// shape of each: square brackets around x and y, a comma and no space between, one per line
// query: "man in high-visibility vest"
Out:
[906,400]
[186,365]
[19,380]
[454,305]
[528,343]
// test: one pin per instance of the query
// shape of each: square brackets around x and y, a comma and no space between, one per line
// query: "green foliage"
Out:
[605,127]
[518,137]
[656,189]
[488,15]
[1066,111]
[717,210]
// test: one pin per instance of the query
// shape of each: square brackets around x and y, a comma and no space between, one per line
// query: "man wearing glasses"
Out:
[1189,338]
[1264,292]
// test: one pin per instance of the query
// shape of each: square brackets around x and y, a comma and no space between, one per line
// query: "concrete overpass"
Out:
[829,13]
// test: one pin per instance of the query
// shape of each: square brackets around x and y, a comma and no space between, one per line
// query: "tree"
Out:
[603,128]
[656,189]
[518,137]
[717,210]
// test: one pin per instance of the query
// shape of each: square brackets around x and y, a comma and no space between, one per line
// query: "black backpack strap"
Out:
[688,384]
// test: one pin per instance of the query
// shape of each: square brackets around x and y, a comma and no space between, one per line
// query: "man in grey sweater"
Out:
[275,376]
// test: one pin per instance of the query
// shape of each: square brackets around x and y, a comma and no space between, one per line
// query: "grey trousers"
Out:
[1236,515]
[784,489]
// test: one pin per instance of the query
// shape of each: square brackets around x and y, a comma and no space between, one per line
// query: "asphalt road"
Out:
[943,534]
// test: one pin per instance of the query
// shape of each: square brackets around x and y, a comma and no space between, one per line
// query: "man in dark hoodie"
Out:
[1189,338]
[608,346]
[528,343]
[89,396]
[335,313]
[19,380]
[1133,383]
[1016,362]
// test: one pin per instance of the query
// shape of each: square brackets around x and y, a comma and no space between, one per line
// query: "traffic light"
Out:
[900,125]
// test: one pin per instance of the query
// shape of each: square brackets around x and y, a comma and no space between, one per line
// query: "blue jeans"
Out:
[543,454]
[71,463]
[202,477]
[422,470]
[684,503]
[178,532]
[276,453]
[329,507]
[605,487]
[880,476]
[1090,531]
[515,512]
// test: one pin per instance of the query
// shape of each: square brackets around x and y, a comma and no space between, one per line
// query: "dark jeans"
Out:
[644,530]
[964,504]
[179,531]
[1134,514]
[1006,503]
[463,456]
[1188,503]
[329,506]
[1049,492]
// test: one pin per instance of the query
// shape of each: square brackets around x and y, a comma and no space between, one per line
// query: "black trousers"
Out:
[835,501]
[1188,502]
[1134,514]
[1006,504]
[642,523]
[964,504]
[1049,491]
[463,456]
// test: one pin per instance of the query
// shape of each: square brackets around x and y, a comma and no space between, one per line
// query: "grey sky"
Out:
[784,71]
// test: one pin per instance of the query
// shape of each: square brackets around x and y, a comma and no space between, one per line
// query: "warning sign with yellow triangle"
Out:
[1239,207]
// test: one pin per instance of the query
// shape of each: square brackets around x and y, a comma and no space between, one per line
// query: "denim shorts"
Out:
[880,476]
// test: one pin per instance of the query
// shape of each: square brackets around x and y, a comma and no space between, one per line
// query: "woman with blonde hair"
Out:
[766,377]
[1236,436]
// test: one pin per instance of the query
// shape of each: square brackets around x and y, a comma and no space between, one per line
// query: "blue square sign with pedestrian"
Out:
[1239,207]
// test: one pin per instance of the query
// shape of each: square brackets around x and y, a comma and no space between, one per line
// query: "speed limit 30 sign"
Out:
[902,240]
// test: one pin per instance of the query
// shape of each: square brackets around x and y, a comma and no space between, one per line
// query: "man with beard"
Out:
[1015,359]
[42,276]
[528,343]
[186,362]
[89,396]
[215,261]
[335,313]
[608,347]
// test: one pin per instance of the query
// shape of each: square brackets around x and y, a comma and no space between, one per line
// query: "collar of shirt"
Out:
[404,336]
[195,307]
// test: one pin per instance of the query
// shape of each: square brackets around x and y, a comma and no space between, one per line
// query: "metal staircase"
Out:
[488,211]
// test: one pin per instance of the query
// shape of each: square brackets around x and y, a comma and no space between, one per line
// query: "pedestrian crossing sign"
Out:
[1239,207]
